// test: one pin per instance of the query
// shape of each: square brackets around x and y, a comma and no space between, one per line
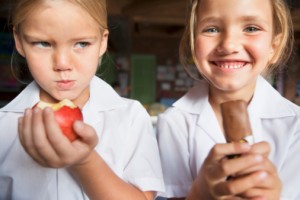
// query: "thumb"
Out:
[86,133]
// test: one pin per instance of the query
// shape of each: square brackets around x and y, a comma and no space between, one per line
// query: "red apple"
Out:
[66,112]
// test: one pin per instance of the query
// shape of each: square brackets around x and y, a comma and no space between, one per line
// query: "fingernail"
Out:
[245,146]
[262,175]
[36,110]
[27,112]
[20,119]
[78,125]
[258,158]
[47,109]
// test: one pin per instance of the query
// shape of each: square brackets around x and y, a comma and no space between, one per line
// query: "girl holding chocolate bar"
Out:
[234,45]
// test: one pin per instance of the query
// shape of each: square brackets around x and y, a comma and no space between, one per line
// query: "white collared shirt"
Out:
[127,143]
[189,129]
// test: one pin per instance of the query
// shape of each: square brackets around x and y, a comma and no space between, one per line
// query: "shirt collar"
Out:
[266,101]
[195,100]
[26,99]
[102,97]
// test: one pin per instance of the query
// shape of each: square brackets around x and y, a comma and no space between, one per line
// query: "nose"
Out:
[230,43]
[62,60]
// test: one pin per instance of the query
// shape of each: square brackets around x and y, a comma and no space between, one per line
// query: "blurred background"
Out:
[142,60]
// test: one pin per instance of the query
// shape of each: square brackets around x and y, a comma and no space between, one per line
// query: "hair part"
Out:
[282,33]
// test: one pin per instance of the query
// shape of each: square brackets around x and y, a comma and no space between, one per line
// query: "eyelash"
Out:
[44,44]
[211,30]
[252,29]
[249,29]
[82,44]
[41,43]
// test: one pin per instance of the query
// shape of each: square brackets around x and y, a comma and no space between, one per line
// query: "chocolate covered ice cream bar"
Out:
[236,123]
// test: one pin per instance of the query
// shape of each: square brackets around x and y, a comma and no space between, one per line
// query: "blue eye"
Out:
[252,29]
[211,30]
[42,44]
[82,44]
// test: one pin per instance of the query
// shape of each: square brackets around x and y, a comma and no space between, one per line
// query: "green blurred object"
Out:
[143,78]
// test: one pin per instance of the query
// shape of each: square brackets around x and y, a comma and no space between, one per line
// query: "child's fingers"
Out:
[265,165]
[67,152]
[20,129]
[25,130]
[240,165]
[59,142]
[87,142]
[41,143]
[267,188]
[216,163]
[87,133]
[239,185]
[262,148]
[219,151]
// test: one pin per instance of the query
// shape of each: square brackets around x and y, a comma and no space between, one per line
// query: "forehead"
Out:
[59,9]
[59,18]
[235,8]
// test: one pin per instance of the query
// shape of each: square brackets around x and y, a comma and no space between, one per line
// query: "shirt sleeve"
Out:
[172,135]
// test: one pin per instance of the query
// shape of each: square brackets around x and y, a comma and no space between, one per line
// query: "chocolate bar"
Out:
[236,123]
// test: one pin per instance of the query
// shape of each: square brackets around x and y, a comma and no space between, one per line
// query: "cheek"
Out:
[203,47]
[89,65]
[36,66]
[260,48]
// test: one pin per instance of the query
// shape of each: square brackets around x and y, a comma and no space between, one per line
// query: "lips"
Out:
[65,84]
[230,64]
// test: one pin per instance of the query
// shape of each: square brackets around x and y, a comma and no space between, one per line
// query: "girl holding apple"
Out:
[233,43]
[115,155]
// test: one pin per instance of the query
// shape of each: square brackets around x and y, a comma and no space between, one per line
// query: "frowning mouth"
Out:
[65,84]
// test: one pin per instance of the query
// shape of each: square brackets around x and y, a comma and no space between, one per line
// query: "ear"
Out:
[275,49]
[104,42]
[18,43]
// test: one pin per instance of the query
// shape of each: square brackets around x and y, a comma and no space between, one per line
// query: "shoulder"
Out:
[26,99]
[268,103]
[134,106]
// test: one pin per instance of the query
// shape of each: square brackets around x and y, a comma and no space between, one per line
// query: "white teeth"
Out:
[230,66]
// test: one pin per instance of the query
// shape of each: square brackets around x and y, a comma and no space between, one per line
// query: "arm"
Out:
[99,181]
[45,143]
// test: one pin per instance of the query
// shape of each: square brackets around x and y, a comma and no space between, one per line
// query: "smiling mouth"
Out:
[230,65]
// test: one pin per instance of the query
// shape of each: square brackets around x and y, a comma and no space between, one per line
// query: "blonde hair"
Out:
[96,8]
[282,27]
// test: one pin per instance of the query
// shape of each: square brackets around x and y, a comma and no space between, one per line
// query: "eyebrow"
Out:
[209,20]
[30,37]
[247,18]
[81,38]
[253,19]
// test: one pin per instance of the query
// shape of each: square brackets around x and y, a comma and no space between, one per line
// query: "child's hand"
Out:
[270,186]
[247,175]
[43,140]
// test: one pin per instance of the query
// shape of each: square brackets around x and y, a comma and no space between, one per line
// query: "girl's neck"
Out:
[216,97]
